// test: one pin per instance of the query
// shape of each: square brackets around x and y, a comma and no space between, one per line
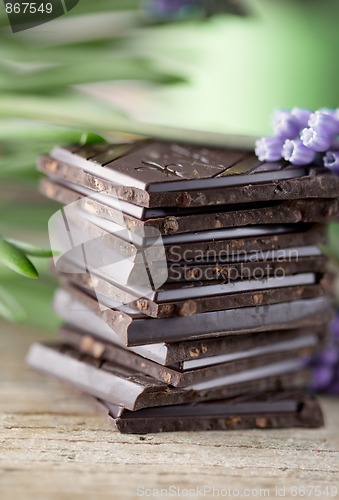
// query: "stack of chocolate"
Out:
[192,284]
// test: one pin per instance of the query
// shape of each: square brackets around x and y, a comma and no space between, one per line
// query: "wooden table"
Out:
[53,445]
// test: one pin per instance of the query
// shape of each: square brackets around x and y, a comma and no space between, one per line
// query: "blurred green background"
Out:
[108,66]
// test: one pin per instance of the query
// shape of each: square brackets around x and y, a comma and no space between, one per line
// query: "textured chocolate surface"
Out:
[142,171]
[204,245]
[148,164]
[132,390]
[84,321]
[220,271]
[110,295]
[178,376]
[138,330]
[277,410]
[282,262]
[189,220]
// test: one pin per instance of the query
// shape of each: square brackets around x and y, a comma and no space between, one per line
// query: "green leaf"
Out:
[25,217]
[36,299]
[333,236]
[15,259]
[28,249]
[329,252]
[331,249]
[10,309]
[78,110]
[43,135]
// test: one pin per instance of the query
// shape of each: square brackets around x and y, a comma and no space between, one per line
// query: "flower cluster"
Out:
[170,7]
[175,10]
[302,137]
[325,366]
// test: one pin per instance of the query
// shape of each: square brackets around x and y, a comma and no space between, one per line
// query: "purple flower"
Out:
[322,377]
[324,122]
[269,148]
[296,153]
[335,328]
[331,161]
[327,111]
[302,116]
[169,7]
[326,370]
[332,112]
[330,356]
[285,125]
[334,387]
[316,139]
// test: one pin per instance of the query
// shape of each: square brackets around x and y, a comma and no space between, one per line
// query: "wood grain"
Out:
[54,446]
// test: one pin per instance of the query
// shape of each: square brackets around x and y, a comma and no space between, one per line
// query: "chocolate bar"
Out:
[99,280]
[184,374]
[133,329]
[203,245]
[291,262]
[186,354]
[84,243]
[158,249]
[175,221]
[189,299]
[155,174]
[132,390]
[269,411]
[131,269]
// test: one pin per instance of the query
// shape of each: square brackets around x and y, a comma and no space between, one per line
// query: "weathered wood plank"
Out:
[53,446]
